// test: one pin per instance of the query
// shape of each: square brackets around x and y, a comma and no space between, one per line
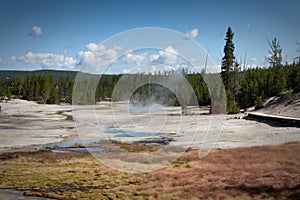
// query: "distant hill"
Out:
[11,74]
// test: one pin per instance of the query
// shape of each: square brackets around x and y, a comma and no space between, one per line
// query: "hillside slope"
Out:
[283,105]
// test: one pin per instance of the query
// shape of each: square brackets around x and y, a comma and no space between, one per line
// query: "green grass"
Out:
[135,147]
[68,117]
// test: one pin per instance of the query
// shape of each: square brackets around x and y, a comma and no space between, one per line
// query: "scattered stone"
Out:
[154,142]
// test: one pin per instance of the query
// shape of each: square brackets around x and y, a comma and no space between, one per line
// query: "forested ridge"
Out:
[244,87]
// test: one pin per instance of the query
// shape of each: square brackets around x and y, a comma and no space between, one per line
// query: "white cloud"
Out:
[82,55]
[145,62]
[170,49]
[253,59]
[69,63]
[167,56]
[0,59]
[91,47]
[138,59]
[192,34]
[47,60]
[97,57]
[13,58]
[94,59]
[36,31]
[126,71]
[209,69]
[149,69]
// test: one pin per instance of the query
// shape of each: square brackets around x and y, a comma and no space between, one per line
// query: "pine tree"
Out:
[275,58]
[19,86]
[229,72]
[26,87]
[54,97]
[235,79]
[46,87]
[228,59]
[297,85]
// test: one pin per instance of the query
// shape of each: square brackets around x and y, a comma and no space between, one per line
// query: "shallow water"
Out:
[66,144]
[8,194]
[64,147]
[138,135]
[79,150]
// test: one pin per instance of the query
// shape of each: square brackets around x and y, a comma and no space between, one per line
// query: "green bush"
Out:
[232,108]
[259,103]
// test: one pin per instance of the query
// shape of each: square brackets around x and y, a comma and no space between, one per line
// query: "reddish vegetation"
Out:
[268,172]
[257,172]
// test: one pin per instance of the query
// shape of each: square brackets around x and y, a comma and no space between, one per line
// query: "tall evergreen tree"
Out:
[46,87]
[228,59]
[19,86]
[229,72]
[54,97]
[297,59]
[235,79]
[275,58]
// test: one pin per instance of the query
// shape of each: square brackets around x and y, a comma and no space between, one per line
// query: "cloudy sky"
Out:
[44,34]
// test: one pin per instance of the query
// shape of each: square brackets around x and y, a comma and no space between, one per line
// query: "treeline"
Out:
[41,88]
[248,88]
[238,88]
[163,88]
[44,89]
[253,86]
[258,84]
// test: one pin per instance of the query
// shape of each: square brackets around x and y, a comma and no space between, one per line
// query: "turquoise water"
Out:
[64,147]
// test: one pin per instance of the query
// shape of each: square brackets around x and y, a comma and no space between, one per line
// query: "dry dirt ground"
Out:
[24,123]
[236,163]
[267,172]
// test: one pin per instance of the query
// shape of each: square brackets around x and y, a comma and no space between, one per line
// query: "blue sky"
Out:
[39,34]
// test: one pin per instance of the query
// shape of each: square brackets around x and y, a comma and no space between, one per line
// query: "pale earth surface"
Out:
[26,123]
